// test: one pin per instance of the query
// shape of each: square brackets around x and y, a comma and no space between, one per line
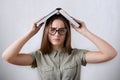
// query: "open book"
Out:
[58,11]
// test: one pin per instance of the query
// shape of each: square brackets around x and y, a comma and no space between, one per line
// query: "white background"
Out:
[102,17]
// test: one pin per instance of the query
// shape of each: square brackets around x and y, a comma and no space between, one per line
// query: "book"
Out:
[58,11]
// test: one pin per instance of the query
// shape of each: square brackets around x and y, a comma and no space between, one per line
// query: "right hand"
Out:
[34,28]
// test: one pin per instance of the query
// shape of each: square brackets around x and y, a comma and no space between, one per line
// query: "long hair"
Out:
[46,46]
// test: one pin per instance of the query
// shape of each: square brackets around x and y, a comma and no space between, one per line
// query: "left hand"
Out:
[82,27]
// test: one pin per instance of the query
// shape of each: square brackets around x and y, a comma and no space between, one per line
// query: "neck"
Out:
[57,48]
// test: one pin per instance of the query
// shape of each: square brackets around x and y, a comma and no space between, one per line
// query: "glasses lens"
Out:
[60,31]
[52,30]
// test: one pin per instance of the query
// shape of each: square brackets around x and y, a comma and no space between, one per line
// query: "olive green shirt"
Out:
[59,65]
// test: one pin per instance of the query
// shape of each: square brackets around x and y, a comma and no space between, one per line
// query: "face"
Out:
[57,33]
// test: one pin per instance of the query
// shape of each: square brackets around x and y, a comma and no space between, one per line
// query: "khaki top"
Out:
[59,65]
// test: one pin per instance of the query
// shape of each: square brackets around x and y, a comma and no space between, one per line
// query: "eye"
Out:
[62,30]
[52,29]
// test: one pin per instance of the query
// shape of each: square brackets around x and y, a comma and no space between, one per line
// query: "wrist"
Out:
[86,33]
[29,34]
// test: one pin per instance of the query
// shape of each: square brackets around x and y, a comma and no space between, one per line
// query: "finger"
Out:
[41,24]
[37,21]
[78,21]
[73,26]
[38,25]
[33,24]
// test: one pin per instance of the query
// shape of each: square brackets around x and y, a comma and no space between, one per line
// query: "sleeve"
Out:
[34,63]
[81,56]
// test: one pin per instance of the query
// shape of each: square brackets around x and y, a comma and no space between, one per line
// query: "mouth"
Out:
[57,39]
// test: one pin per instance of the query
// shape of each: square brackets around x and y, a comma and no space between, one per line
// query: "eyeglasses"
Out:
[61,31]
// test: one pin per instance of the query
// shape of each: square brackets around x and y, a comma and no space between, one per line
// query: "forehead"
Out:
[57,23]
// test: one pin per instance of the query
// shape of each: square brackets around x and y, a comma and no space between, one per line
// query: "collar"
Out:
[54,52]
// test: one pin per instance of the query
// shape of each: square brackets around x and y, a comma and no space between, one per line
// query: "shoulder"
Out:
[36,53]
[79,51]
[36,57]
[80,55]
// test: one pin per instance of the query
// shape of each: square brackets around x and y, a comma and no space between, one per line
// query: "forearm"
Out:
[102,45]
[106,51]
[15,47]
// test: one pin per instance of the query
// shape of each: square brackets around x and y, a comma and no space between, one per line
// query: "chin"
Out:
[56,44]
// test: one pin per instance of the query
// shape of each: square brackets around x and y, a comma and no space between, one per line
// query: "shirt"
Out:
[59,65]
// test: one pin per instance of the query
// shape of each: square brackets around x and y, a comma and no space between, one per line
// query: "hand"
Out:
[34,28]
[82,27]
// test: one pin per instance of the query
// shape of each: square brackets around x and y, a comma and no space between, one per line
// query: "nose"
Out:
[57,34]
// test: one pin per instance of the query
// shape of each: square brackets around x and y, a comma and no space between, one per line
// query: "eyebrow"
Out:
[58,28]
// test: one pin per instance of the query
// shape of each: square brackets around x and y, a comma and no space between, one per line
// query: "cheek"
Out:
[63,38]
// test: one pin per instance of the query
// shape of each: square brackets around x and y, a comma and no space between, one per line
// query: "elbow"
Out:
[6,57]
[109,56]
[113,55]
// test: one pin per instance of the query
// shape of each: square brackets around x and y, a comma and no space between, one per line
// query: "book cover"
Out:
[58,11]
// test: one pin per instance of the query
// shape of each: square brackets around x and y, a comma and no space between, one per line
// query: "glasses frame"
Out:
[65,31]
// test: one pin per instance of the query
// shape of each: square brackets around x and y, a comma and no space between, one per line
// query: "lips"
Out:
[57,39]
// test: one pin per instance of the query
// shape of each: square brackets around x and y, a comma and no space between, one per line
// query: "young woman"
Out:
[56,59]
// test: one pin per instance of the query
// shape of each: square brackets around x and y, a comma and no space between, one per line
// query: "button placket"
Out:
[57,59]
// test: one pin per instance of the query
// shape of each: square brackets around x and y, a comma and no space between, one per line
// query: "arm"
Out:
[106,51]
[12,55]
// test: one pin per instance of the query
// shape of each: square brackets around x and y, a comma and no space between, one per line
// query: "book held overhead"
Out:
[58,11]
